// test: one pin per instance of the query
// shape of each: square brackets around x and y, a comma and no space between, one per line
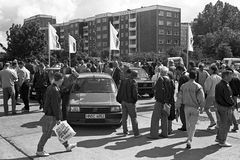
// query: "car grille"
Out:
[95,110]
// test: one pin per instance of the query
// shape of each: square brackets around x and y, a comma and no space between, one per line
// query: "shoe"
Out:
[182,129]
[70,147]
[25,110]
[137,136]
[126,134]
[161,135]
[225,144]
[211,125]
[188,146]
[42,154]
[234,130]
[150,137]
[18,103]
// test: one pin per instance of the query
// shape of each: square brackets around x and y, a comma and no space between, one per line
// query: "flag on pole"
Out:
[190,39]
[53,38]
[114,40]
[72,44]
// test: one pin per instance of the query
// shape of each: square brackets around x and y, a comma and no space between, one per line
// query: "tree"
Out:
[25,41]
[224,51]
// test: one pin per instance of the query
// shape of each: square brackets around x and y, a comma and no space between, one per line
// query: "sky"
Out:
[15,11]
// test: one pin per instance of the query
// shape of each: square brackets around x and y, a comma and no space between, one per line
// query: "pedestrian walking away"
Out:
[52,110]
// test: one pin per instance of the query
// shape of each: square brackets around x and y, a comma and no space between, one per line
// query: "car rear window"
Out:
[94,85]
[141,73]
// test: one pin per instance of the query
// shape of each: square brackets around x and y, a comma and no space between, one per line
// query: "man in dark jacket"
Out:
[225,102]
[52,110]
[127,96]
[116,75]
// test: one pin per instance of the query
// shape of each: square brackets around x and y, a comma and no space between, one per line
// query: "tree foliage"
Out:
[25,41]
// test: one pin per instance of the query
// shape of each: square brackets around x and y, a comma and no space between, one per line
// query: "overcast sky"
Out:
[14,11]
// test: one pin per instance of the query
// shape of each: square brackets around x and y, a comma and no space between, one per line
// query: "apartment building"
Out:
[41,19]
[147,29]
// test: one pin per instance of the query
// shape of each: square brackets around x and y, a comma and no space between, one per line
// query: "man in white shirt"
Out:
[24,80]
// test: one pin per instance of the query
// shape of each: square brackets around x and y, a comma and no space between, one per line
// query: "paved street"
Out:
[19,135]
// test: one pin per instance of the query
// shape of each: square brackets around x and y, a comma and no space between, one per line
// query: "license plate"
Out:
[94,116]
[75,109]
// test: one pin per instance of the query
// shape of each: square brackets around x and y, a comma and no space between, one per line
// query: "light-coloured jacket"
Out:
[191,95]
[211,83]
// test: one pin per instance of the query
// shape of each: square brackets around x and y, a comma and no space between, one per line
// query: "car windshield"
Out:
[94,85]
[141,73]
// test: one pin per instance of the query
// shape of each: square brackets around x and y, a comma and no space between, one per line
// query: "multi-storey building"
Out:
[146,29]
[41,19]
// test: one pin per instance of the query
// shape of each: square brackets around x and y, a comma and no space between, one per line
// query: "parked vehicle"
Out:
[177,61]
[93,101]
[231,61]
[144,83]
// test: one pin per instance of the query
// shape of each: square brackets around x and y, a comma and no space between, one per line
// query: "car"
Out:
[230,61]
[144,83]
[177,61]
[93,101]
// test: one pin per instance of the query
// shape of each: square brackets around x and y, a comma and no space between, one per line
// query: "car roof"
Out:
[53,68]
[94,75]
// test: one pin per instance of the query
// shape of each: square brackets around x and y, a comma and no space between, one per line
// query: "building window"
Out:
[104,44]
[169,23]
[122,18]
[126,17]
[122,26]
[176,42]
[122,35]
[161,31]
[126,43]
[93,23]
[161,41]
[61,30]
[176,15]
[121,51]
[126,25]
[98,28]
[71,26]
[126,34]
[98,20]
[104,19]
[104,28]
[161,13]
[99,44]
[176,33]
[76,31]
[169,41]
[169,14]
[76,25]
[161,22]
[169,32]
[98,36]
[121,44]
[104,36]
[176,24]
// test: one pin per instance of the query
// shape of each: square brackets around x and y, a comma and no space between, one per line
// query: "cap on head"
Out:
[58,76]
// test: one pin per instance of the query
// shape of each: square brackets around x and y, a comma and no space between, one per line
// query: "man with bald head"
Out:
[7,78]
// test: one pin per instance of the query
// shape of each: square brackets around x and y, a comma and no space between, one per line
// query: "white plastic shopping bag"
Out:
[64,131]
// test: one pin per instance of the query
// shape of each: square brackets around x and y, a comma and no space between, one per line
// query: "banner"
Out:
[114,40]
[190,39]
[53,38]
[72,44]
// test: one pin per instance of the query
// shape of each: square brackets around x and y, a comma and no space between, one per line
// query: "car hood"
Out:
[93,99]
[143,80]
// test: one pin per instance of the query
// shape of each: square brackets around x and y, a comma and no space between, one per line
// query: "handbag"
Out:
[166,108]
[64,131]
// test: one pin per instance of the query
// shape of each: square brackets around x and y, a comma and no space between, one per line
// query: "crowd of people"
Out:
[198,90]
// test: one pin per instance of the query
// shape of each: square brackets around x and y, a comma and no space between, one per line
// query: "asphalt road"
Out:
[19,135]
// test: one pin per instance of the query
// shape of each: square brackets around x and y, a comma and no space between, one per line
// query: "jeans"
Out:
[65,104]
[48,124]
[41,95]
[16,87]
[225,115]
[210,101]
[9,92]
[191,115]
[158,114]
[129,109]
[24,91]
[182,117]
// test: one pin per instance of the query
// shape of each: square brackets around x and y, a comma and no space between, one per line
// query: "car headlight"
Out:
[74,109]
[115,109]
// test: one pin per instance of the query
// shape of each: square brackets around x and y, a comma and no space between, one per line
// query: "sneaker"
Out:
[70,147]
[211,125]
[126,133]
[188,146]
[225,144]
[42,154]
[137,136]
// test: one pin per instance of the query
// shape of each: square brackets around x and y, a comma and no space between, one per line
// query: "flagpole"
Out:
[69,59]
[187,47]
[49,51]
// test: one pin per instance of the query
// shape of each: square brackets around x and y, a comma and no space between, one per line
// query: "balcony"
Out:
[132,28]
[86,41]
[132,37]
[133,19]
[116,22]
[85,27]
[85,34]
[85,48]
[132,45]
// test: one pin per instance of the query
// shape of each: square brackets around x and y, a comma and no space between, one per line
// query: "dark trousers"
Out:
[41,95]
[16,87]
[65,103]
[225,115]
[24,92]
[182,117]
